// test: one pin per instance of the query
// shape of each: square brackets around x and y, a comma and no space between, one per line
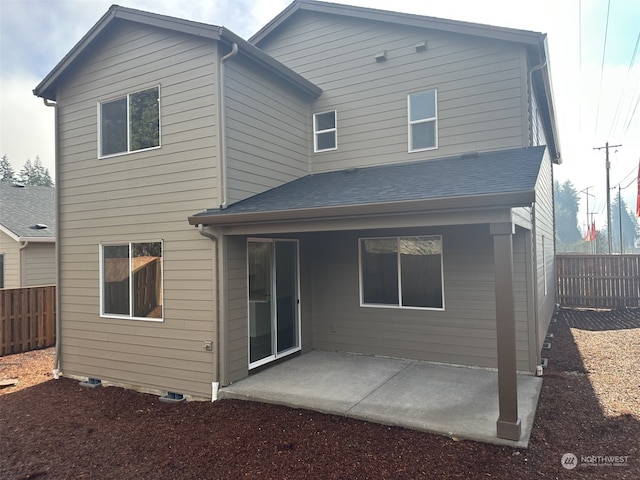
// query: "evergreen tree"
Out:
[566,213]
[620,215]
[35,174]
[26,173]
[7,174]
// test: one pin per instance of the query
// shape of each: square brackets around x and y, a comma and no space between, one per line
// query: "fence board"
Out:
[598,281]
[27,319]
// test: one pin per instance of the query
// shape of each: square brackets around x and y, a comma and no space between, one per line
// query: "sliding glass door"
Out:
[274,322]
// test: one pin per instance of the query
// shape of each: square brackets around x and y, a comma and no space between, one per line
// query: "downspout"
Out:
[215,384]
[222,143]
[58,351]
[23,273]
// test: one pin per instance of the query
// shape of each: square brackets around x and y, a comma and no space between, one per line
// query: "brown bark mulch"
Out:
[589,407]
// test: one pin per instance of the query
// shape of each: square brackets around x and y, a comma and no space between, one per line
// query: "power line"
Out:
[634,169]
[628,76]
[604,50]
[626,129]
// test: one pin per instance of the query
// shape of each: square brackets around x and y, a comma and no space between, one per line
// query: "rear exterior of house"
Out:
[348,180]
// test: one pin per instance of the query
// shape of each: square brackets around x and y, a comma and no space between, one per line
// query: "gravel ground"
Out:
[589,407]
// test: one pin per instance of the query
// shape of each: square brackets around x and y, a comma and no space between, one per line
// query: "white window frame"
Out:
[433,119]
[316,133]
[101,280]
[399,306]
[128,151]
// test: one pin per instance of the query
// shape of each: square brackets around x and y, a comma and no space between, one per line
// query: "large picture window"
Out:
[131,280]
[423,128]
[402,272]
[130,123]
[325,131]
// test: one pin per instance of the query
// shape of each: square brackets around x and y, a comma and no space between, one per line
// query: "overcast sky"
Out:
[594,99]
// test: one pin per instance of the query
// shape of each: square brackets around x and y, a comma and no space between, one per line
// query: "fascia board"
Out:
[9,233]
[505,200]
[38,239]
[405,19]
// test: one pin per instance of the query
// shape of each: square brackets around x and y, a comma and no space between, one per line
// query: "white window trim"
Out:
[129,151]
[433,119]
[130,316]
[399,306]
[318,132]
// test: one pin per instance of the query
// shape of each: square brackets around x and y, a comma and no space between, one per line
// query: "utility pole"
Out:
[608,166]
[586,192]
[594,248]
[620,218]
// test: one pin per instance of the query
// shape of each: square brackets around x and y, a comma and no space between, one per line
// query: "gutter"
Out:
[222,142]
[513,199]
[58,351]
[37,239]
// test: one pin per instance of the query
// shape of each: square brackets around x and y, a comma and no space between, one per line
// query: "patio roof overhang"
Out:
[465,210]
[467,189]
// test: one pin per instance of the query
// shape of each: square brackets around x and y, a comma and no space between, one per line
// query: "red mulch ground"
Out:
[589,406]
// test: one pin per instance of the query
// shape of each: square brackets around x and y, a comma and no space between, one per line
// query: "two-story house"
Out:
[359,180]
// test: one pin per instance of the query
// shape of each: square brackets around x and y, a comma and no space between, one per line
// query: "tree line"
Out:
[32,173]
[569,238]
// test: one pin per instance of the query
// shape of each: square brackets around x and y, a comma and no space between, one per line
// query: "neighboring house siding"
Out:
[479,87]
[143,196]
[545,260]
[39,264]
[464,333]
[11,250]
[267,127]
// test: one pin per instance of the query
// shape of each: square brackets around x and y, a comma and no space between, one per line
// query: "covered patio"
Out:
[458,402]
[472,218]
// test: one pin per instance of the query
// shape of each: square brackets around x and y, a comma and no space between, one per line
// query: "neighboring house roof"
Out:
[535,42]
[505,178]
[26,210]
[47,88]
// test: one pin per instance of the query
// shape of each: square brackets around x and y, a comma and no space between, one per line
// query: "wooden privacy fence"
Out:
[598,281]
[27,319]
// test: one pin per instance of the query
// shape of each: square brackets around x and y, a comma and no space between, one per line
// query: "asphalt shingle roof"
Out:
[506,171]
[21,208]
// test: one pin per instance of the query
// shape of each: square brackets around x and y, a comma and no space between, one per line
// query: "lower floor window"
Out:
[402,272]
[131,280]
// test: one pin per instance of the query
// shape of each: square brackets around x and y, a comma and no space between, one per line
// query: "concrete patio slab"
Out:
[455,401]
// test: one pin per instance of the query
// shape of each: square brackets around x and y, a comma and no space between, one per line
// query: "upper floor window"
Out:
[423,132]
[325,131]
[130,123]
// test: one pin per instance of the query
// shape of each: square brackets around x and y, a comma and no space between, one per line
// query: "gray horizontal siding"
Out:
[479,85]
[267,131]
[39,264]
[142,196]
[464,333]
[11,251]
[237,360]
[545,264]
